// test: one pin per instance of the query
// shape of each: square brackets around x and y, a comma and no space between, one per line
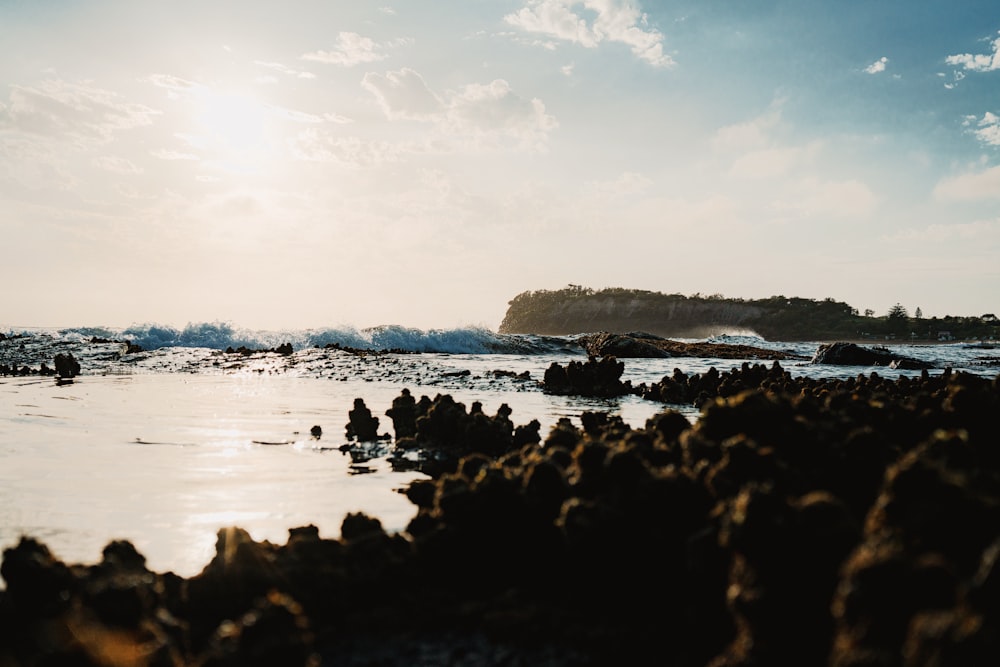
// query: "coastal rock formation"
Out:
[643,345]
[850,354]
[596,377]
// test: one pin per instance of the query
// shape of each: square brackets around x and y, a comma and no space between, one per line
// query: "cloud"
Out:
[116,165]
[615,21]
[403,94]
[351,49]
[627,184]
[956,78]
[78,111]
[478,115]
[877,66]
[314,145]
[977,230]
[812,197]
[493,110]
[983,62]
[750,135]
[166,154]
[174,84]
[972,186]
[278,67]
[987,128]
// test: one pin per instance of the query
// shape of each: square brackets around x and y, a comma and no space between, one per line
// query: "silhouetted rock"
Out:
[362,425]
[850,354]
[596,377]
[66,365]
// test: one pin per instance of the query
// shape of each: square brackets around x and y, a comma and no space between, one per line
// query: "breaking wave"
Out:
[222,335]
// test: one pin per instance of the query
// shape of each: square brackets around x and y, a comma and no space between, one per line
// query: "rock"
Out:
[596,377]
[66,365]
[362,424]
[644,345]
[619,345]
[850,354]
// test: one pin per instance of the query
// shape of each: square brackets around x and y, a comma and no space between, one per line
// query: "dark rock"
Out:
[850,354]
[362,425]
[596,377]
[66,365]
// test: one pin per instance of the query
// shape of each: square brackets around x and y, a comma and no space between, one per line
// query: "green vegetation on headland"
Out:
[575,309]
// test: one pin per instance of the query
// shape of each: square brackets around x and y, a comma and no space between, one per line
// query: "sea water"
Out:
[167,446]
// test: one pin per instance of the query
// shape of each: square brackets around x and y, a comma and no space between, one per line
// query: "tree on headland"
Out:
[919,314]
[897,320]
[898,312]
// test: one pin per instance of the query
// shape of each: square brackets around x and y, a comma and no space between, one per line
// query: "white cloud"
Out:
[877,66]
[116,165]
[486,112]
[351,49]
[813,197]
[987,128]
[982,62]
[477,116]
[284,69]
[174,84]
[627,184]
[616,21]
[165,154]
[315,145]
[403,94]
[977,230]
[752,134]
[972,186]
[78,111]
[772,162]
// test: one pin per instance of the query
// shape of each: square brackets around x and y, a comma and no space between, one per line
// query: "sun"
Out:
[234,131]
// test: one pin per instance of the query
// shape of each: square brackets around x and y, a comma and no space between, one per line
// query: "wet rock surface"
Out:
[795,523]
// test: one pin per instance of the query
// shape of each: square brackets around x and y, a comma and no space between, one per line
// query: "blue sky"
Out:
[311,164]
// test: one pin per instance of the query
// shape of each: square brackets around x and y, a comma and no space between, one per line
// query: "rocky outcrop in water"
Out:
[595,377]
[851,354]
[643,345]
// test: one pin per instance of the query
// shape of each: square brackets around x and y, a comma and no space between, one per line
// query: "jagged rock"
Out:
[596,377]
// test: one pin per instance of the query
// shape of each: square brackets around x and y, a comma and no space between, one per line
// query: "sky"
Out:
[312,164]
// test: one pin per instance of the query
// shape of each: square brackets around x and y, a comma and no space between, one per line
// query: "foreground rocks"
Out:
[841,525]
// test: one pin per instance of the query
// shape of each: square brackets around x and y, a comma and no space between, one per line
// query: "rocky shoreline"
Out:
[821,522]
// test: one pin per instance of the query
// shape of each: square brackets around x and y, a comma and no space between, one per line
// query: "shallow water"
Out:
[166,447]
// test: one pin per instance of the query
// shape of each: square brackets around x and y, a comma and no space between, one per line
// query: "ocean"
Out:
[165,446]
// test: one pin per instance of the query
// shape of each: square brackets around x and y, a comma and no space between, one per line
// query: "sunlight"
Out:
[235,130]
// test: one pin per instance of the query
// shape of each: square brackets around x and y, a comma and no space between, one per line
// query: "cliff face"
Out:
[578,310]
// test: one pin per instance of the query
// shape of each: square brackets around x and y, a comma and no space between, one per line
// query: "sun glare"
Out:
[235,131]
